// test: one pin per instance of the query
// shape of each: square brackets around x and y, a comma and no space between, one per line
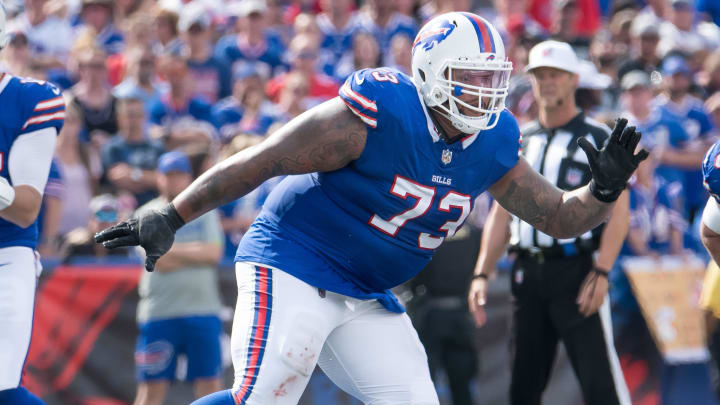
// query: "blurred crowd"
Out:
[212,77]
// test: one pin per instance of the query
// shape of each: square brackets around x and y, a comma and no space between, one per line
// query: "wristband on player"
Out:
[480,275]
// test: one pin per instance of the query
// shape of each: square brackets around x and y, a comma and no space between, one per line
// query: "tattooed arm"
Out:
[325,138]
[527,194]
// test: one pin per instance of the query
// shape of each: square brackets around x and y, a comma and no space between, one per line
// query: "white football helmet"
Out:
[4,36]
[462,55]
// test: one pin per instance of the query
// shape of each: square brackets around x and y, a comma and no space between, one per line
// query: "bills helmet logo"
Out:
[433,35]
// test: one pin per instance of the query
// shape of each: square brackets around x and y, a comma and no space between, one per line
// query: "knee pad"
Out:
[218,398]
[19,396]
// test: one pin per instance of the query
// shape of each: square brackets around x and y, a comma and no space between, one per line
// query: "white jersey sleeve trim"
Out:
[30,157]
[711,215]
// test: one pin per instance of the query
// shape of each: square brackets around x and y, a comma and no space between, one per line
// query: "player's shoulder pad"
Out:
[372,93]
[42,105]
[711,169]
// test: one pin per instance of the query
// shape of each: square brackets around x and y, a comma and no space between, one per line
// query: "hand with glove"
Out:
[153,230]
[613,165]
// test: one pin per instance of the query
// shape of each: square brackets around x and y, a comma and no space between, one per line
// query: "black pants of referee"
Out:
[545,312]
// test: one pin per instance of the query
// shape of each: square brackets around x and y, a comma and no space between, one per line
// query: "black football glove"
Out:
[613,165]
[153,230]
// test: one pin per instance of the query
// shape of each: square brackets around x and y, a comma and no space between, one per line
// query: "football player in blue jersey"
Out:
[31,115]
[377,178]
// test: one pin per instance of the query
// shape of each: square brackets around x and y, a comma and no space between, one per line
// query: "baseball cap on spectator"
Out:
[174,161]
[244,8]
[636,78]
[193,14]
[553,54]
[590,78]
[675,65]
[104,208]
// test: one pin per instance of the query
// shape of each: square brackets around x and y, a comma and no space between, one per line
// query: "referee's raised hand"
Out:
[613,165]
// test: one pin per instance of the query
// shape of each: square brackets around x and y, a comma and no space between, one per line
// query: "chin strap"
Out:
[443,135]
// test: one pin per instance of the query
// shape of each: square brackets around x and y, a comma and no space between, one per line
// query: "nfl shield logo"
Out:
[574,177]
[446,156]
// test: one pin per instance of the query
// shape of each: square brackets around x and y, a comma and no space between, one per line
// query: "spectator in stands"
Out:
[644,40]
[93,95]
[50,37]
[303,57]
[139,33]
[564,29]
[166,32]
[620,28]
[366,53]
[247,110]
[293,97]
[104,211]
[129,158]
[253,42]
[15,58]
[592,95]
[709,77]
[210,75]
[178,103]
[79,175]
[604,54]
[663,133]
[680,32]
[180,302]
[140,81]
[656,214]
[379,19]
[401,53]
[337,23]
[511,14]
[98,15]
[676,101]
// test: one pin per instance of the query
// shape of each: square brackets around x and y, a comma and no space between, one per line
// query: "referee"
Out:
[558,286]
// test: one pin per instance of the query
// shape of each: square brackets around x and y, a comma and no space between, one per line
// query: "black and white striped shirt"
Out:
[554,153]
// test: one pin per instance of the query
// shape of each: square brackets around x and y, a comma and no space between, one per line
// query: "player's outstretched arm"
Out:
[325,138]
[527,194]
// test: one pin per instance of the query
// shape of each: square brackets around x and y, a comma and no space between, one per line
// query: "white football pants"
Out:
[19,270]
[283,327]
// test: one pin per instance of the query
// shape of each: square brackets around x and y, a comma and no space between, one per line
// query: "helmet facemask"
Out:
[471,94]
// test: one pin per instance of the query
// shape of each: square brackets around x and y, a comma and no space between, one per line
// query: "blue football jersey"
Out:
[711,171]
[26,105]
[375,223]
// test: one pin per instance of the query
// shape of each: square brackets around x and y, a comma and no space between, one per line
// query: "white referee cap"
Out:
[553,54]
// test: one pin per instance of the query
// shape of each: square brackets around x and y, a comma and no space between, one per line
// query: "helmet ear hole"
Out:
[422,75]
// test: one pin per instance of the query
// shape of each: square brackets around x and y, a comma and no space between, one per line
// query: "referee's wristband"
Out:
[481,275]
[601,272]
